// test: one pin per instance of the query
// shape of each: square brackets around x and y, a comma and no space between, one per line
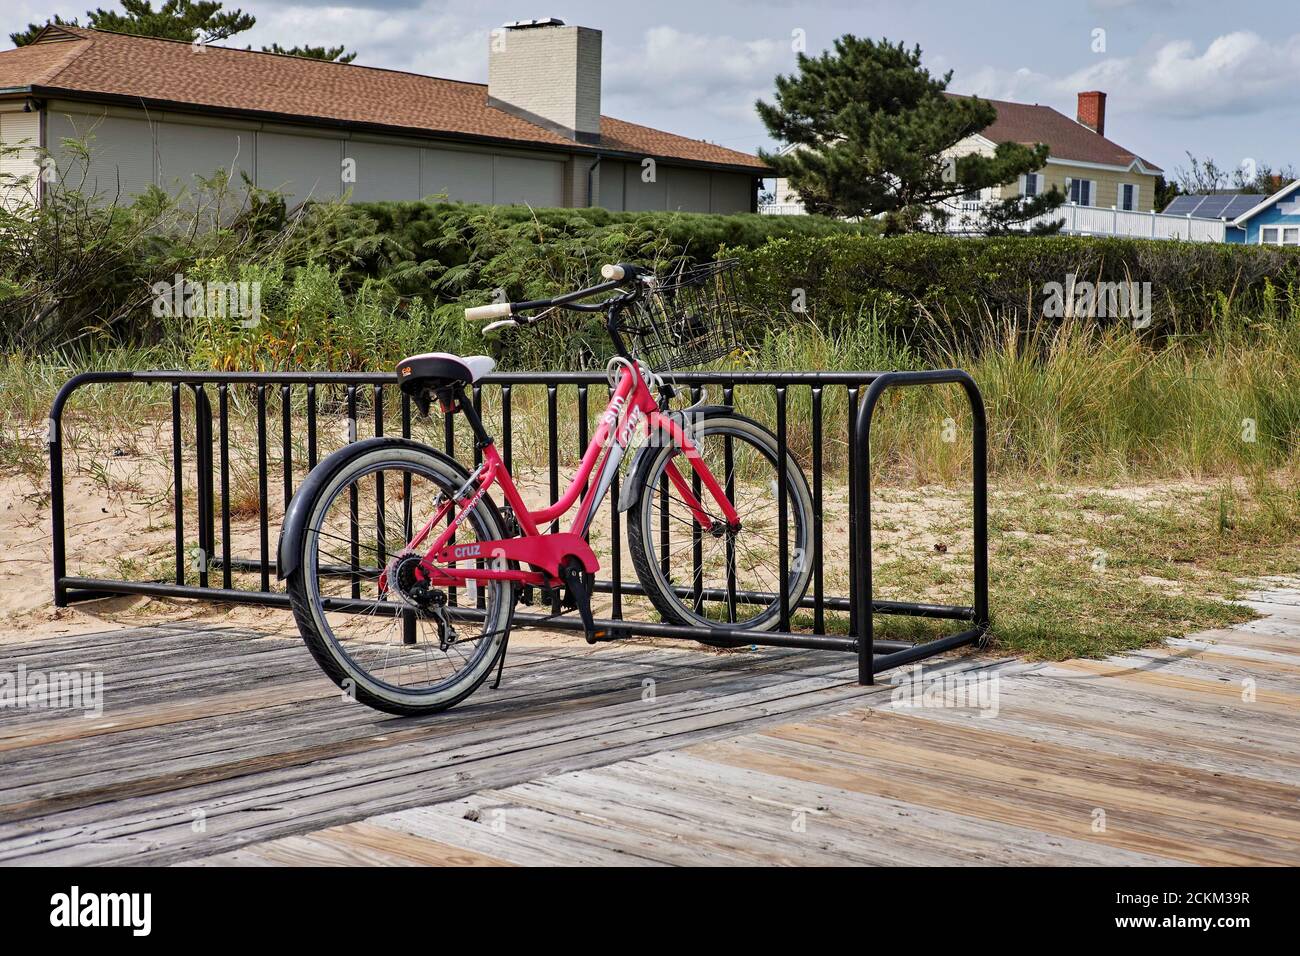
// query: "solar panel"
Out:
[1182,205]
[1213,206]
[1242,204]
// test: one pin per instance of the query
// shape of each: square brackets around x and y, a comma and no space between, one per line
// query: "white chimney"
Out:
[549,74]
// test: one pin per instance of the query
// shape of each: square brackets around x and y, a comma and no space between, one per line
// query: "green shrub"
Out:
[444,248]
[951,284]
[79,269]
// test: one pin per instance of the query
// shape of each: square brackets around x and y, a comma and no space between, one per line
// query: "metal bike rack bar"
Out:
[870,662]
[212,567]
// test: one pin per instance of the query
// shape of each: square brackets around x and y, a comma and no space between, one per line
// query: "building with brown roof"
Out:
[1089,169]
[163,112]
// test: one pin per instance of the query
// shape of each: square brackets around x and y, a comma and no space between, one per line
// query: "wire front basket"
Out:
[687,318]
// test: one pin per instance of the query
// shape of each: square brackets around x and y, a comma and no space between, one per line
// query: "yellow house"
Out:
[1096,174]
[1088,168]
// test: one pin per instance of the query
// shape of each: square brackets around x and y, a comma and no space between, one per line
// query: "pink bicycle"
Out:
[404,573]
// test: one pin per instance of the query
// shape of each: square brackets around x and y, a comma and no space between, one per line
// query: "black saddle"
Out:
[433,371]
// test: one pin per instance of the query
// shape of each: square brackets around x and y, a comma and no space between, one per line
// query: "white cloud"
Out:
[1237,73]
[420,39]
[719,76]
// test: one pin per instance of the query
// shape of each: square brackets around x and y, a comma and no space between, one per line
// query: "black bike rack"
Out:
[212,494]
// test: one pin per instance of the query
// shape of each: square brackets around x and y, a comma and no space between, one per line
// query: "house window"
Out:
[1280,235]
[971,195]
[1031,185]
[1128,197]
[1081,192]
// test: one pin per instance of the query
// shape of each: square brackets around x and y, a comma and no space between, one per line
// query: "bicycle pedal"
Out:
[527,595]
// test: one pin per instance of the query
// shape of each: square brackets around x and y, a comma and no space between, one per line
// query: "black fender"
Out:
[630,491]
[289,550]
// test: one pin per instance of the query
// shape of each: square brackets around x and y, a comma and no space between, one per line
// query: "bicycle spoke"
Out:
[747,555]
[374,636]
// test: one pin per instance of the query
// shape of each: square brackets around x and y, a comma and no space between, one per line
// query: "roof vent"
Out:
[529,24]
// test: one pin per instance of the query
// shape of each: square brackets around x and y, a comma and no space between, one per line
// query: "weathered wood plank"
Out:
[1276,701]
[971,797]
[674,807]
[280,803]
[579,765]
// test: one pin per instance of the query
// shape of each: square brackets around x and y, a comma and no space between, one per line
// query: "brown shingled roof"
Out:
[1067,138]
[74,60]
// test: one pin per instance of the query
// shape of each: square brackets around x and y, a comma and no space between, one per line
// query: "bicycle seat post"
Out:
[461,401]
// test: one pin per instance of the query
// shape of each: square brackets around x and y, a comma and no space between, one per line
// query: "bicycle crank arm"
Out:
[575,581]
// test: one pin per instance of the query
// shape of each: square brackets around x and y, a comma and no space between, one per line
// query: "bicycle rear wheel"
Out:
[727,578]
[378,632]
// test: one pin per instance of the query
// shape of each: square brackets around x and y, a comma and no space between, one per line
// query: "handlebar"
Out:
[496,310]
[623,272]
[616,276]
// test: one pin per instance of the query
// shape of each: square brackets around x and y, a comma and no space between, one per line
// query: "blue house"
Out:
[1274,221]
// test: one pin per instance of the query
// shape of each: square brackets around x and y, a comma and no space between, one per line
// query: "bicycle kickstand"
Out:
[501,661]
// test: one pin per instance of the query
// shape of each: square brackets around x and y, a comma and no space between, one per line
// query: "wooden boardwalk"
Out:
[227,747]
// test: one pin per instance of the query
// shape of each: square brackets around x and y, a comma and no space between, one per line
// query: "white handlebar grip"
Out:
[496,310]
[611,273]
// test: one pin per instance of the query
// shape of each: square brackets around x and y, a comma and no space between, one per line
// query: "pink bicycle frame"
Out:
[631,404]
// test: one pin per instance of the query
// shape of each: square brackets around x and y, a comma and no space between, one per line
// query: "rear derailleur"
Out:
[407,577]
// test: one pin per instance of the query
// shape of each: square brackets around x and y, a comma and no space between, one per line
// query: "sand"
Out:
[119,521]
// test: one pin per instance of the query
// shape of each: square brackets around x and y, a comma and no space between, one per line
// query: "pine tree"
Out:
[194,21]
[336,53]
[872,128]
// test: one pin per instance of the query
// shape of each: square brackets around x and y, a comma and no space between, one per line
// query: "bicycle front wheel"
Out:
[380,633]
[721,577]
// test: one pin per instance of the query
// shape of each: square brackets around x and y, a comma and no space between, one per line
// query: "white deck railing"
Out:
[1079,221]
[1092,221]
[1097,221]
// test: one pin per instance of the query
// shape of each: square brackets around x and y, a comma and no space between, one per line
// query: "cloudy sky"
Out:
[1201,75]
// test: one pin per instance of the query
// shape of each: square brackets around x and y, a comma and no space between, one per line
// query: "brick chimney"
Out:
[549,74]
[1092,111]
